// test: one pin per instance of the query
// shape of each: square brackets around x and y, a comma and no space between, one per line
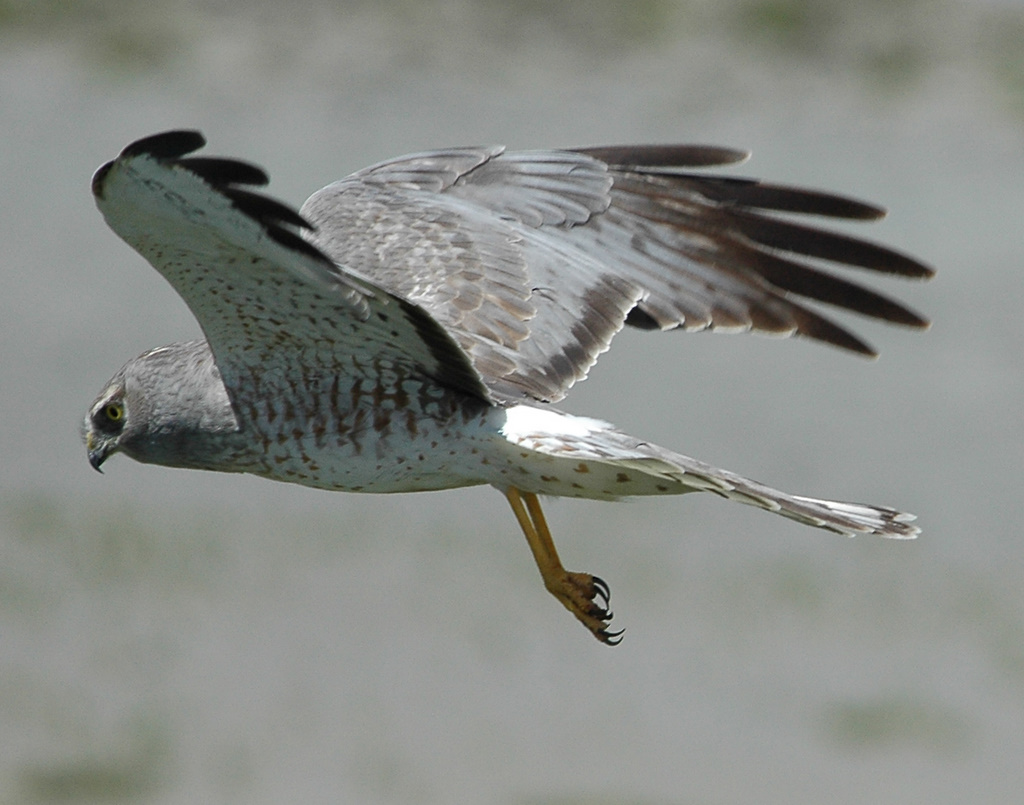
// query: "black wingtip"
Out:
[166,145]
[756,194]
[219,171]
[224,176]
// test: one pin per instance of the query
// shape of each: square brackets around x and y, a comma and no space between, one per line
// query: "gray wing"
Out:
[270,304]
[532,261]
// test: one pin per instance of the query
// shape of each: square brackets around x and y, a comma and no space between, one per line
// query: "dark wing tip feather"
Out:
[268,211]
[813,325]
[755,244]
[166,145]
[780,198]
[823,287]
[218,171]
[664,156]
[290,240]
[799,239]
[224,175]
[281,222]
[278,220]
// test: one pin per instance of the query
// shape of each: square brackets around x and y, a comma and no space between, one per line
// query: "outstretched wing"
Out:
[267,300]
[532,261]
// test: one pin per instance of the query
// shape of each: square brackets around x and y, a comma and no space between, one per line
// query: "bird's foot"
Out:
[588,598]
[585,596]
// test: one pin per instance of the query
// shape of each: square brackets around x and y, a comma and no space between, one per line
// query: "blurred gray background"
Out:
[173,637]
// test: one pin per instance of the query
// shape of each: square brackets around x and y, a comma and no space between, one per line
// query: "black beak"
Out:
[97,453]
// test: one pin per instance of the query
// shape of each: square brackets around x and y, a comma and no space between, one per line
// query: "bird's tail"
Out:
[591,459]
[850,519]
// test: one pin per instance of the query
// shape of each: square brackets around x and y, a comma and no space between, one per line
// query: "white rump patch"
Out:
[525,422]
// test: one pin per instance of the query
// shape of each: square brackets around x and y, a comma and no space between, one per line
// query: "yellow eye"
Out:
[114,412]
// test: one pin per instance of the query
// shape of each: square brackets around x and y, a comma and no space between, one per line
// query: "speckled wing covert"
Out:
[534,260]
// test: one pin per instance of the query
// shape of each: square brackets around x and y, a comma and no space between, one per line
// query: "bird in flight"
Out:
[407,329]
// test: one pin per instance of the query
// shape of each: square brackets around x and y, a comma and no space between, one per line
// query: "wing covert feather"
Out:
[533,260]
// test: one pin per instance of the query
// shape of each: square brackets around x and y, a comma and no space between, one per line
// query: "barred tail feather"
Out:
[880,520]
[850,519]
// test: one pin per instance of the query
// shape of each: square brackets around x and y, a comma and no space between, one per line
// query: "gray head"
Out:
[168,406]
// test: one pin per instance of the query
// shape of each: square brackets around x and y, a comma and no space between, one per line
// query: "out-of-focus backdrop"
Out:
[173,637]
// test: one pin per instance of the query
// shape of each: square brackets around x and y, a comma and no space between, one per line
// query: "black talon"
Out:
[610,638]
[603,589]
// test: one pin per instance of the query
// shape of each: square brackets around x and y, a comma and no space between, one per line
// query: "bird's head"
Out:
[168,406]
[107,422]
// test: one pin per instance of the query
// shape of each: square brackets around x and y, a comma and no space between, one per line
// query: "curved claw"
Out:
[603,591]
[610,638]
[588,597]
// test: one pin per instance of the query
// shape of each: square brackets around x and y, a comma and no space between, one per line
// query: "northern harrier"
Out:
[407,329]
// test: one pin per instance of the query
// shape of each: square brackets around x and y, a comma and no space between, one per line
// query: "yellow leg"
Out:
[584,595]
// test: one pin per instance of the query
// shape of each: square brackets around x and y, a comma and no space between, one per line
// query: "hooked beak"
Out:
[98,451]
